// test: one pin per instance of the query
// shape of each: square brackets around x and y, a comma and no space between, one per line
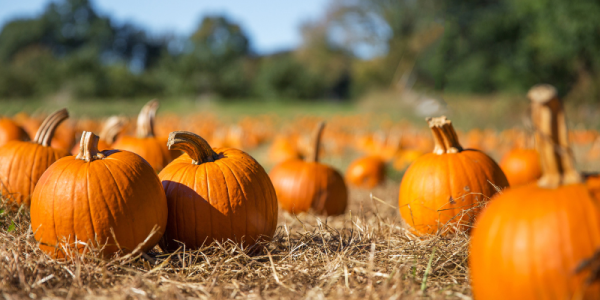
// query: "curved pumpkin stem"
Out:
[551,133]
[88,147]
[112,127]
[46,131]
[317,142]
[145,121]
[192,144]
[444,136]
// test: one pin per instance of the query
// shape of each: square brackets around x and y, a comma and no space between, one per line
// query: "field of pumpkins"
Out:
[175,207]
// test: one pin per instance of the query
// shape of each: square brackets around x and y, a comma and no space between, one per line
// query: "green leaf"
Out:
[11,227]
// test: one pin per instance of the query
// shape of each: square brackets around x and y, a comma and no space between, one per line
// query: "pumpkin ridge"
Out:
[256,199]
[168,181]
[208,200]
[241,189]
[122,205]
[231,212]
[11,163]
[465,162]
[35,160]
[87,194]
[57,242]
[195,243]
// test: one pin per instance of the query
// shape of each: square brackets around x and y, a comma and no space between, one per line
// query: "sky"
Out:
[272,25]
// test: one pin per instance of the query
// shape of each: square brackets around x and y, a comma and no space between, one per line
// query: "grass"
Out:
[366,253]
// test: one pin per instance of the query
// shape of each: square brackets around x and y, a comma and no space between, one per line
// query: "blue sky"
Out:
[271,24]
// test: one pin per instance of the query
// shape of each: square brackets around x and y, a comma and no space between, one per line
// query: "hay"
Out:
[366,253]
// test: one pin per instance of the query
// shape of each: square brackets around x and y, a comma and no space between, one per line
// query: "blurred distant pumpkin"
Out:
[145,143]
[11,131]
[531,240]
[22,163]
[98,197]
[366,172]
[304,185]
[111,128]
[521,166]
[444,190]
[215,194]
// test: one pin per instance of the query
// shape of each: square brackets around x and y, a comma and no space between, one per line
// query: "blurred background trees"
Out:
[357,46]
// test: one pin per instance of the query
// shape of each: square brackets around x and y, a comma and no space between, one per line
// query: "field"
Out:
[366,253]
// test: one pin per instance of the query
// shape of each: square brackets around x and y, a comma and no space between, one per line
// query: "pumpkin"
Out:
[521,166]
[366,172]
[305,185]
[111,128]
[112,200]
[530,240]
[442,191]
[11,131]
[146,144]
[215,194]
[22,163]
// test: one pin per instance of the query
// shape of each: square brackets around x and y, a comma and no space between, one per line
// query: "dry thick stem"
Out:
[88,147]
[112,127]
[444,137]
[548,116]
[317,142]
[145,121]
[46,131]
[192,144]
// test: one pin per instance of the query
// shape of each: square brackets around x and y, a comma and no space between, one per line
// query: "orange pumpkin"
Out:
[447,187]
[530,240]
[366,172]
[22,163]
[302,185]
[111,128]
[146,144]
[215,194]
[521,166]
[98,197]
[11,131]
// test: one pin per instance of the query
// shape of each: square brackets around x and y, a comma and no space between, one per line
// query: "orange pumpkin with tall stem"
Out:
[23,163]
[215,194]
[530,240]
[366,172]
[444,190]
[145,143]
[305,185]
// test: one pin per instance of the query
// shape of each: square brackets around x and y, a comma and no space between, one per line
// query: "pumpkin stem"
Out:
[551,134]
[46,131]
[444,137]
[317,142]
[192,144]
[112,127]
[145,121]
[88,147]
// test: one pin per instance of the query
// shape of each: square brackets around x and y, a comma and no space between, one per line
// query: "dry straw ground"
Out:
[366,253]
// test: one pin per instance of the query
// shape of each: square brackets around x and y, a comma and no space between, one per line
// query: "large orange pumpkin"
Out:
[530,240]
[521,166]
[145,143]
[215,194]
[305,185]
[11,131]
[22,163]
[98,197]
[366,172]
[444,190]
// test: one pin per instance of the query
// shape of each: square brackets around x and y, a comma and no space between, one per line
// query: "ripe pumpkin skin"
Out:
[228,196]
[23,163]
[366,172]
[550,224]
[11,131]
[85,199]
[437,188]
[521,166]
[304,185]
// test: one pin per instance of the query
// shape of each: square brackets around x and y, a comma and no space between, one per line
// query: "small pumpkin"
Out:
[145,143]
[215,194]
[111,128]
[11,131]
[530,240]
[366,172]
[305,185]
[97,197]
[521,166]
[23,163]
[448,186]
